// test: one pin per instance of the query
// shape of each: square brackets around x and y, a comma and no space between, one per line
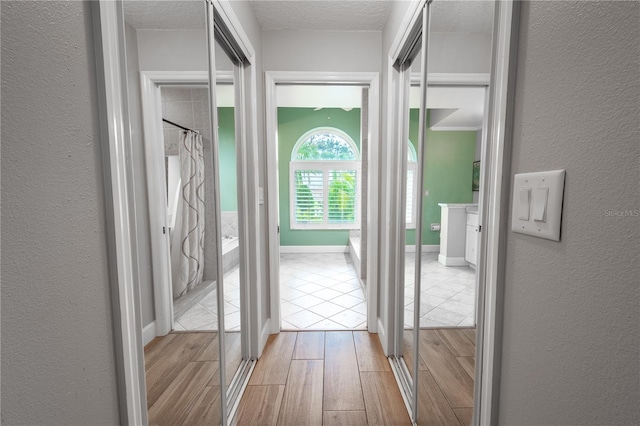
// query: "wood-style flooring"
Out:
[183,385]
[312,378]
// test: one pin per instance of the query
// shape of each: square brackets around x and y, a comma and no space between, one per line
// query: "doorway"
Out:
[321,199]
[321,158]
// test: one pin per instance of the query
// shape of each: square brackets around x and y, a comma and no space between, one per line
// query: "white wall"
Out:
[290,50]
[571,320]
[460,52]
[177,50]
[58,364]
[173,50]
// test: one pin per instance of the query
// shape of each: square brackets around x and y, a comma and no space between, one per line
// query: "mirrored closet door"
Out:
[443,117]
[186,140]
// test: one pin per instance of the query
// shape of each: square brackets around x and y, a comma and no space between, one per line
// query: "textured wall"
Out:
[58,362]
[571,320]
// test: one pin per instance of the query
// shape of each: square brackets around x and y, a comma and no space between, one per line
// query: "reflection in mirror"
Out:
[460,36]
[171,155]
[411,218]
[229,203]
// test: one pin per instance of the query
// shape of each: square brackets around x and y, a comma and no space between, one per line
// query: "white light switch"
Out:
[524,196]
[537,204]
[540,204]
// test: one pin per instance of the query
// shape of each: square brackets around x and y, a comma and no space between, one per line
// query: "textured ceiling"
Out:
[332,15]
[165,15]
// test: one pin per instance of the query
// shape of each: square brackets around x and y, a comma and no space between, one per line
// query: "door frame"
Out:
[109,41]
[150,82]
[365,79]
[493,209]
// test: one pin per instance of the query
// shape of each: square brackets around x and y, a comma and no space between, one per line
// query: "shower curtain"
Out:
[192,199]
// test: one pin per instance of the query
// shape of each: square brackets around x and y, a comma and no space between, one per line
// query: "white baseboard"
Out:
[433,248]
[452,261]
[264,335]
[149,332]
[382,336]
[314,249]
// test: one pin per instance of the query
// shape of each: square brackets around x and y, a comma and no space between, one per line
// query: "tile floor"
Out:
[320,291]
[447,297]
[203,315]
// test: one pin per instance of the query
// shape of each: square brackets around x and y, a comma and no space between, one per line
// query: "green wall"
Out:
[448,169]
[450,156]
[228,177]
[292,124]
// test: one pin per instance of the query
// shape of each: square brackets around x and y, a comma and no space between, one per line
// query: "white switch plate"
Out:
[549,228]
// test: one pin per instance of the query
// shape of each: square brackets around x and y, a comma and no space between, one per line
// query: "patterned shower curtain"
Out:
[192,230]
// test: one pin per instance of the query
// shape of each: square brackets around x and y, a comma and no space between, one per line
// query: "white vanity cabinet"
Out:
[453,220]
[471,241]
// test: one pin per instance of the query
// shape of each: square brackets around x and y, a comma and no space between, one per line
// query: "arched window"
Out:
[412,186]
[324,181]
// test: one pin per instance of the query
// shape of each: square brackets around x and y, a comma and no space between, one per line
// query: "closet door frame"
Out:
[108,28]
[154,158]
[494,209]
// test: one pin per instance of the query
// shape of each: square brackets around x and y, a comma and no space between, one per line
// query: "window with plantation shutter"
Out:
[324,182]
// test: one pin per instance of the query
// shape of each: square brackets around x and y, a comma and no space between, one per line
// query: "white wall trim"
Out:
[452,261]
[426,248]
[382,334]
[224,9]
[437,128]
[413,14]
[149,332]
[314,249]
[370,79]
[494,211]
[264,336]
[457,79]
[119,210]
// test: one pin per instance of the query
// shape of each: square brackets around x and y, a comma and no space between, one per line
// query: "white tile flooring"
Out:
[447,296]
[203,315]
[320,291]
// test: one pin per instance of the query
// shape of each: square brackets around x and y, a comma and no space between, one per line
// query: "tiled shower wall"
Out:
[189,107]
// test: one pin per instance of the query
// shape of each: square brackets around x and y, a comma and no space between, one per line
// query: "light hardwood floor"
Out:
[312,378]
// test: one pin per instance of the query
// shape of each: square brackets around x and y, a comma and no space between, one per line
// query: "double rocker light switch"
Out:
[537,204]
[524,203]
